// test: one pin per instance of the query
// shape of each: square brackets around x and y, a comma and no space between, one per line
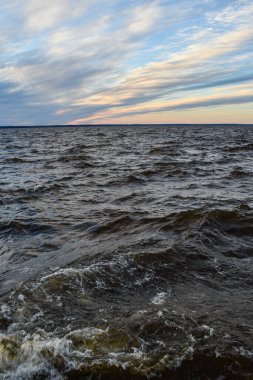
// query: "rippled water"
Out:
[126,253]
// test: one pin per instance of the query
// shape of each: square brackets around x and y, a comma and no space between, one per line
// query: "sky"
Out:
[126,61]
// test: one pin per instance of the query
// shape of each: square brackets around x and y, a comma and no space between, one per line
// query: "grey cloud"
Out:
[192,105]
[18,108]
[55,70]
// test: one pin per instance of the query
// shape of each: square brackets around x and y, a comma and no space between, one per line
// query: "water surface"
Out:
[126,253]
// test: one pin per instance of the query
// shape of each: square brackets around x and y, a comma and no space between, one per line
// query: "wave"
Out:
[127,255]
[165,150]
[114,225]
[239,172]
[239,148]
[36,190]
[130,179]
[208,227]
[73,157]
[16,160]
[133,179]
[19,227]
[144,343]
[105,355]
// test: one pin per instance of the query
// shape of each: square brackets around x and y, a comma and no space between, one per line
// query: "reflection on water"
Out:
[126,253]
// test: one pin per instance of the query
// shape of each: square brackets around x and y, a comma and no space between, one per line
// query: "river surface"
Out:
[126,253]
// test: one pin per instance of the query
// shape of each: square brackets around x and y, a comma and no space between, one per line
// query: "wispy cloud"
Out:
[90,61]
[191,69]
[144,18]
[240,95]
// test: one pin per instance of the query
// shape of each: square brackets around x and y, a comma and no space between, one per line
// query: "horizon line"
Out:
[124,124]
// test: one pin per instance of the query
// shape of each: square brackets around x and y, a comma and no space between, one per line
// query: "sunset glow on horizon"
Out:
[109,62]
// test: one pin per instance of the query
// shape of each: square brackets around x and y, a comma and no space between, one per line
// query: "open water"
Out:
[126,253]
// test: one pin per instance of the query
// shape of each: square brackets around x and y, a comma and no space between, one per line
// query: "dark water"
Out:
[126,253]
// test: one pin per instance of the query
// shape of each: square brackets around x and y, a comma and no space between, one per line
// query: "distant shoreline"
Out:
[125,125]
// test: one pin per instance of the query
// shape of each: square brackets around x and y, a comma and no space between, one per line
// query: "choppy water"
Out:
[126,253]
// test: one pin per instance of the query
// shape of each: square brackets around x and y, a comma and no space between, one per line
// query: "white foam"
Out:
[208,329]
[37,316]
[6,311]
[160,298]
[21,297]
[28,359]
[244,352]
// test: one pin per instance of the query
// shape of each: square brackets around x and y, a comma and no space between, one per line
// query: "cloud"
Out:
[239,97]
[41,15]
[237,12]
[90,60]
[190,69]
[144,18]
